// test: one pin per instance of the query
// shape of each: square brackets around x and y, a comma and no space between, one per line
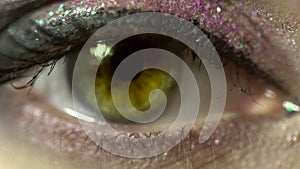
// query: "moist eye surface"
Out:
[143,83]
[253,139]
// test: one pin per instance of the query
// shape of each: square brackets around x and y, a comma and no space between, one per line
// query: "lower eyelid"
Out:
[41,124]
[44,125]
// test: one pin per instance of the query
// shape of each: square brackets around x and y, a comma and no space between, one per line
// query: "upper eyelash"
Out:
[21,65]
[18,63]
[47,38]
[33,55]
[35,75]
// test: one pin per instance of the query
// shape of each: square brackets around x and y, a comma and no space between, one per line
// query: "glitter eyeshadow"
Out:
[9,9]
[245,26]
[214,17]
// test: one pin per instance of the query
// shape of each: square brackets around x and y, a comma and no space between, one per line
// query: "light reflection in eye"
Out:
[291,107]
[145,82]
[259,102]
[79,115]
[59,77]
[243,91]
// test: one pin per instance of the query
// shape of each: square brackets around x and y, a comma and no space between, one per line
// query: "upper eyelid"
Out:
[17,54]
[59,42]
[9,10]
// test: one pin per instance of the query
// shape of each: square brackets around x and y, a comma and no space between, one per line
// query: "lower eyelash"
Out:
[68,140]
[46,127]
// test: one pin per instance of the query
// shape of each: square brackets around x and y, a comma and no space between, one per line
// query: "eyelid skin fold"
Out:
[243,142]
[50,32]
[9,10]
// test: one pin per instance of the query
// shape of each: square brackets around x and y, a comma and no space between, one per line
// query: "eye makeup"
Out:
[255,33]
[9,8]
[213,17]
[227,140]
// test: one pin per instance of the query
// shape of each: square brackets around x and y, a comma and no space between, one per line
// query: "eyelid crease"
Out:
[17,54]
[57,34]
[9,10]
[27,42]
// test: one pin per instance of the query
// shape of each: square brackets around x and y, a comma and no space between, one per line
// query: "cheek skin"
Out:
[39,131]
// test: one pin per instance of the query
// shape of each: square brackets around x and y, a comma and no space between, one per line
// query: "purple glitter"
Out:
[245,26]
[242,33]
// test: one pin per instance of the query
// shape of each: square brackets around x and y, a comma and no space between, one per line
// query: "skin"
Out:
[251,142]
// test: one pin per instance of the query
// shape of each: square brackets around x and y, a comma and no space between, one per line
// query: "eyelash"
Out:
[52,37]
[229,55]
[20,53]
[226,53]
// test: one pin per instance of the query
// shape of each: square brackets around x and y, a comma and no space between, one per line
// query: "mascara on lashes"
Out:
[50,32]
[214,17]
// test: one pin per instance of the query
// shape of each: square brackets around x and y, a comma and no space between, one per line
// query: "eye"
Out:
[249,91]
[252,94]
[142,84]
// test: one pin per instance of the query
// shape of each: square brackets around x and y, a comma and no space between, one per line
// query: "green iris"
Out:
[139,91]
[140,86]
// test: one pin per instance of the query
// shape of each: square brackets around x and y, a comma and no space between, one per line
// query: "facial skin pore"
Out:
[248,142]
